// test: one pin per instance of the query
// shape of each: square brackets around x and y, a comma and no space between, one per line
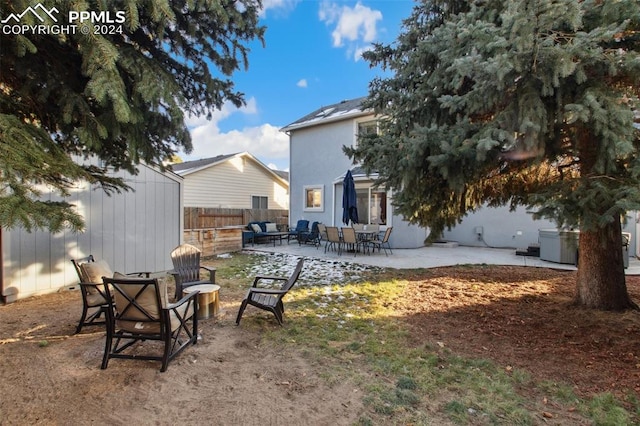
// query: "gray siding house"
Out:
[318,165]
[132,231]
[238,181]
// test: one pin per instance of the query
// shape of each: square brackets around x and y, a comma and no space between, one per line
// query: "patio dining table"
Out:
[366,235]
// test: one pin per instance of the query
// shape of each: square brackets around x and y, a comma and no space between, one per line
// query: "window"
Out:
[372,206]
[313,198]
[259,202]
[367,128]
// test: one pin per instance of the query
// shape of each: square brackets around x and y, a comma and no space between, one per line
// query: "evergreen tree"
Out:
[118,93]
[518,102]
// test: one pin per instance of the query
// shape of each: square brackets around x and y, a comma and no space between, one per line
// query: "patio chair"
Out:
[322,233]
[333,239]
[186,268]
[310,237]
[373,227]
[139,311]
[382,243]
[301,226]
[269,299]
[349,238]
[358,226]
[94,302]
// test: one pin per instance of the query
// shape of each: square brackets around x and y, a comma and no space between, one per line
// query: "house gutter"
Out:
[311,123]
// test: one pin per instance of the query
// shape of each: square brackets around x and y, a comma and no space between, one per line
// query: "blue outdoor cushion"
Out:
[302,225]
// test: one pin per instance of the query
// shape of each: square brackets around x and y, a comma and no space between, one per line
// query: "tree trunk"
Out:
[601,280]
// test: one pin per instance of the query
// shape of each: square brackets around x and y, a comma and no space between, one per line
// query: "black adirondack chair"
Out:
[267,298]
[187,268]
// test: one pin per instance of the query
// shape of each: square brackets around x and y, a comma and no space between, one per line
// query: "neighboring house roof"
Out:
[283,174]
[326,114]
[188,167]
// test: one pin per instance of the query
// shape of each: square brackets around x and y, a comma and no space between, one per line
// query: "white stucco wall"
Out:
[503,228]
[500,228]
[316,158]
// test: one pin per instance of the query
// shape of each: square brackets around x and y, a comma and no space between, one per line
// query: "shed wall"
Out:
[132,231]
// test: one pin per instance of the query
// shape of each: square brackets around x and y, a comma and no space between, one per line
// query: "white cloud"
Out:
[302,83]
[274,166]
[264,141]
[280,6]
[354,28]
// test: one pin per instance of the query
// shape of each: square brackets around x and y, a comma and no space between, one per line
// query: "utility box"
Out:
[626,239]
[559,246]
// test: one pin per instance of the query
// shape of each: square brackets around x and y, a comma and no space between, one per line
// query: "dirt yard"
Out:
[518,317]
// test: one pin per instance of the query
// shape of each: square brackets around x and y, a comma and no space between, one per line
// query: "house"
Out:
[318,166]
[132,231]
[237,180]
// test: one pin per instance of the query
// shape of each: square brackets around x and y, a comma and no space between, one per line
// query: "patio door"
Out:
[372,205]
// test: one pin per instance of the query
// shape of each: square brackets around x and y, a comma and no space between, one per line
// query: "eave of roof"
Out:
[358,174]
[331,113]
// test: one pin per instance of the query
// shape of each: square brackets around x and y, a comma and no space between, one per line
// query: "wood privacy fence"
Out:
[217,231]
[208,218]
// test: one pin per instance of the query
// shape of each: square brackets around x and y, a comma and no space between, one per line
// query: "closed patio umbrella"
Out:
[349,200]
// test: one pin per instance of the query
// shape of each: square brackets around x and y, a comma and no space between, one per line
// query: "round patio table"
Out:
[208,299]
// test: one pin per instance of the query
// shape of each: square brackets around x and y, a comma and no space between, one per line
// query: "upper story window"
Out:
[367,128]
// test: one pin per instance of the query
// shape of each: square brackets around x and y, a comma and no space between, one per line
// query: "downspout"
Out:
[333,202]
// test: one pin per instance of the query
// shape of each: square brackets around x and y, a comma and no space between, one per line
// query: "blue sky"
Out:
[311,58]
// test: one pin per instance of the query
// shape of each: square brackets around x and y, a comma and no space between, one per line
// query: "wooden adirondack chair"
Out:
[186,268]
[269,299]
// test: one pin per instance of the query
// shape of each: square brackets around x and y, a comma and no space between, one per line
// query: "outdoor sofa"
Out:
[259,230]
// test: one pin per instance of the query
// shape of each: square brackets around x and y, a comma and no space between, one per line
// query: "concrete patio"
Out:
[428,257]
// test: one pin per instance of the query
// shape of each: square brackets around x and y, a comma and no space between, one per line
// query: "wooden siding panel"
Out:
[215,241]
[207,218]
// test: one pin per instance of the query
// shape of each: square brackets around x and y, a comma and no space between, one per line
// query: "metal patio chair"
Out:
[94,302]
[138,311]
[382,243]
